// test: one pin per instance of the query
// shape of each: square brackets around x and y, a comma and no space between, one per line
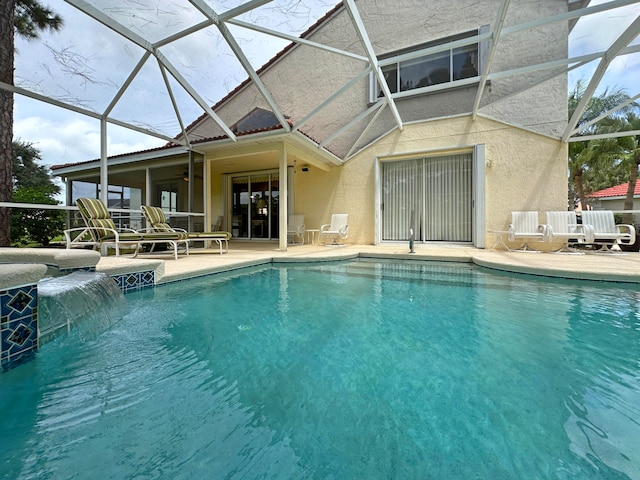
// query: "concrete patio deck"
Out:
[623,267]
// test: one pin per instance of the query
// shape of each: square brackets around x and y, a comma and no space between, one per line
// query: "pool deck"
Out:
[618,267]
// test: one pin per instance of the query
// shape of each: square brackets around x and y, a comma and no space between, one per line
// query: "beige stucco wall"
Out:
[524,171]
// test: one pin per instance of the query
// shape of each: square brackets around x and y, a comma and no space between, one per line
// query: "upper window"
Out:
[420,72]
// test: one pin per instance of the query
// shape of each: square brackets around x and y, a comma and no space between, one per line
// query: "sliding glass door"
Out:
[431,195]
[254,206]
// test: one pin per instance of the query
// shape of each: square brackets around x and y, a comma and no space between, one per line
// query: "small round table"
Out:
[312,233]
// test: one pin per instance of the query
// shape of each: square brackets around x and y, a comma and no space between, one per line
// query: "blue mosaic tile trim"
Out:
[77,269]
[18,324]
[129,282]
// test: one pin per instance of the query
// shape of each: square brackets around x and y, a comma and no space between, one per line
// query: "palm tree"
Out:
[620,151]
[26,18]
[582,161]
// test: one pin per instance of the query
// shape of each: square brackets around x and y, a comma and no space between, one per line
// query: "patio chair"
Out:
[158,221]
[563,226]
[295,229]
[605,231]
[100,230]
[525,227]
[338,228]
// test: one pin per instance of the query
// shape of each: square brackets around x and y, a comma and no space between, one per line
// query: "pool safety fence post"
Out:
[412,221]
[411,241]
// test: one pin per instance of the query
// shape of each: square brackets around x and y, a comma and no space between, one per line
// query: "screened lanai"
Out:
[157,69]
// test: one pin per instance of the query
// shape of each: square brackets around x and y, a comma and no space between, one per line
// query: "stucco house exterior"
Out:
[450,158]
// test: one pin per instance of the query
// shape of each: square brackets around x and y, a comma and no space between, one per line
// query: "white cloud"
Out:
[77,139]
[596,32]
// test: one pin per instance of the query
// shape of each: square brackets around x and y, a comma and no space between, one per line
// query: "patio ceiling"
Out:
[154,66]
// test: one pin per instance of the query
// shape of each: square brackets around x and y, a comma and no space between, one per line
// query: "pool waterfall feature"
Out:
[21,270]
[89,302]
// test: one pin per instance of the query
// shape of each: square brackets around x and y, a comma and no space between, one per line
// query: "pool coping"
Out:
[594,267]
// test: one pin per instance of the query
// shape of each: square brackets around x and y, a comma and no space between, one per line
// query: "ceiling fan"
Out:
[185,175]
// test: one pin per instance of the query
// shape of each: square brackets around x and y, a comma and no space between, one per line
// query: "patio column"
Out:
[190,190]
[104,172]
[283,214]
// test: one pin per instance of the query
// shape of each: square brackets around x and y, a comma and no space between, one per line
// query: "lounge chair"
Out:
[158,221]
[100,230]
[563,226]
[338,228]
[295,229]
[605,231]
[525,227]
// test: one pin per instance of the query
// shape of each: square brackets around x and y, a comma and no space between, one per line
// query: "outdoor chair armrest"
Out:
[630,229]
[324,227]
[115,233]
[67,233]
[587,230]
[541,230]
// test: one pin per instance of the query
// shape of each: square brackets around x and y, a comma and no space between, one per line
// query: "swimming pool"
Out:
[349,370]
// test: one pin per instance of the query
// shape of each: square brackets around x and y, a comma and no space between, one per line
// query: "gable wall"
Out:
[307,76]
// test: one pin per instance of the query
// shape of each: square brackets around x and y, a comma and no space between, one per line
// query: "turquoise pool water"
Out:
[355,370]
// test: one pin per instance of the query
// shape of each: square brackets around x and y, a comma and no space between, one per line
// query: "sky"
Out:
[85,63]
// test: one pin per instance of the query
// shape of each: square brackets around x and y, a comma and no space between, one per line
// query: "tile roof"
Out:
[617,191]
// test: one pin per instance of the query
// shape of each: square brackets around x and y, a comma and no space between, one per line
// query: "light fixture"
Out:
[185,175]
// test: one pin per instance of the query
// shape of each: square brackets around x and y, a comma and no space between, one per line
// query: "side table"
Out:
[312,233]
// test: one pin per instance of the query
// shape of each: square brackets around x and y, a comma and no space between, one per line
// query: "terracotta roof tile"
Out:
[617,191]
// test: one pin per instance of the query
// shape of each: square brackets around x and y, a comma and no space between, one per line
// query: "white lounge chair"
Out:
[605,231]
[563,226]
[295,229]
[525,227]
[338,228]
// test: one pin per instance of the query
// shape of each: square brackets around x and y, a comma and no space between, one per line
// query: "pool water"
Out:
[349,370]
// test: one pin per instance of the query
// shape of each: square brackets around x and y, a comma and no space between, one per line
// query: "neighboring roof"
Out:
[617,191]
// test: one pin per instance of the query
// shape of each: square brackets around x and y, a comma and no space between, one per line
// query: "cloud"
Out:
[74,138]
[596,32]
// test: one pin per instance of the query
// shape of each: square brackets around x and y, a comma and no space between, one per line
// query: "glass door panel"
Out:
[240,207]
[260,195]
[274,209]
[254,206]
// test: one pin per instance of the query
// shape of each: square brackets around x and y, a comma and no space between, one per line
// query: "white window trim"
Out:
[482,37]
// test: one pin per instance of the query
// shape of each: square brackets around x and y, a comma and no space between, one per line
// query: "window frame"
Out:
[392,62]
